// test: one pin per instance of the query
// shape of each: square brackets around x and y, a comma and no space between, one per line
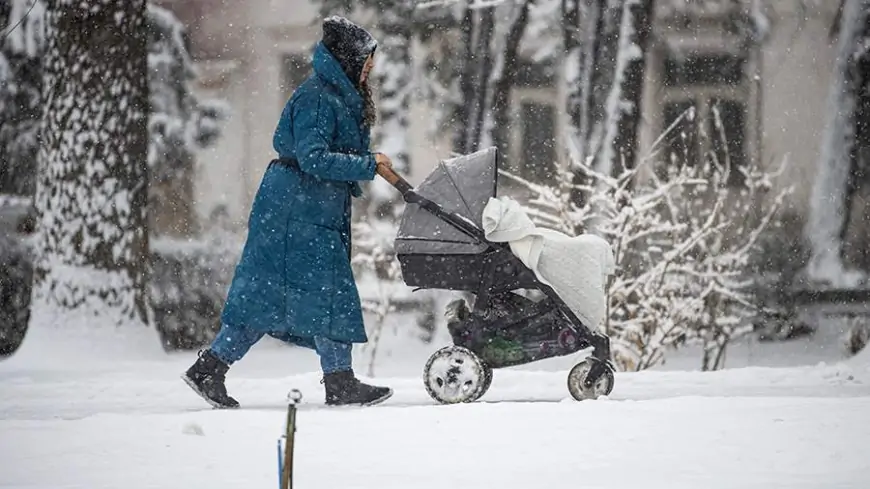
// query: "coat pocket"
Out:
[309,257]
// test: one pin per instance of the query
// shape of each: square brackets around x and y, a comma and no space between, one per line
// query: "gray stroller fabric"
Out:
[462,185]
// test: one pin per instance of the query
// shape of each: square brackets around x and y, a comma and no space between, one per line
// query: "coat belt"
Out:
[287,162]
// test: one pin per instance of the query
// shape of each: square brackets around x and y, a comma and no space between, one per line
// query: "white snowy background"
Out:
[95,408]
[800,421]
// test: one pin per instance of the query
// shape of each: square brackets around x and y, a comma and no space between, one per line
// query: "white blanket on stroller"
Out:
[575,267]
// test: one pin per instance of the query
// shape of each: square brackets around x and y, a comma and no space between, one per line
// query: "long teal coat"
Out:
[294,279]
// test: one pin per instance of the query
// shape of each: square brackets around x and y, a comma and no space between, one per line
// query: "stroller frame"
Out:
[501,273]
[503,328]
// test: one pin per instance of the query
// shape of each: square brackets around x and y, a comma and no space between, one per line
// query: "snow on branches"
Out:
[376,264]
[682,243]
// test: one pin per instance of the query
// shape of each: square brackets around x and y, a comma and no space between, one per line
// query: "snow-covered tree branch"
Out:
[682,246]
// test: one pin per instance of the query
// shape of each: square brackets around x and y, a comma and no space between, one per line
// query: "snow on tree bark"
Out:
[91,196]
[571,45]
[492,35]
[512,22]
[590,39]
[605,43]
[477,30]
[600,20]
[625,97]
[843,155]
[28,37]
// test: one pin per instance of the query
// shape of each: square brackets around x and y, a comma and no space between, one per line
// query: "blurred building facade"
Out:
[253,54]
[771,98]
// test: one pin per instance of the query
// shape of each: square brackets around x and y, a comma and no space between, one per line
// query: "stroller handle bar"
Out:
[394,179]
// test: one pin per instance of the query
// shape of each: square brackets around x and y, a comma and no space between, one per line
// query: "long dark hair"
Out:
[370,112]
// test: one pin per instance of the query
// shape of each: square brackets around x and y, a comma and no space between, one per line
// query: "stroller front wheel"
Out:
[590,379]
[455,374]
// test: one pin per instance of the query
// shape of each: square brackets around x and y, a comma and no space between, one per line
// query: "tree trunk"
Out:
[477,29]
[466,83]
[633,48]
[599,74]
[503,76]
[859,155]
[844,152]
[92,241]
[571,44]
[609,40]
[487,74]
[592,35]
[481,74]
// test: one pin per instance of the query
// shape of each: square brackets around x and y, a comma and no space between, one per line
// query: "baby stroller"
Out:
[441,245]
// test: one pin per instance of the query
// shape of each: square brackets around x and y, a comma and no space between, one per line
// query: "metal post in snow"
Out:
[285,459]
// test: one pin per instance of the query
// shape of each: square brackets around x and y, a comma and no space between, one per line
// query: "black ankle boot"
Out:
[206,377]
[343,388]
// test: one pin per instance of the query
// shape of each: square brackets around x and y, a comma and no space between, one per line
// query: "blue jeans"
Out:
[233,342]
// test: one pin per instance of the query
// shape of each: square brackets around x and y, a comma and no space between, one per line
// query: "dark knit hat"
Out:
[349,43]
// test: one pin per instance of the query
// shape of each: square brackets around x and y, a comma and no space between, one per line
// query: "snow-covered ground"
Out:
[99,423]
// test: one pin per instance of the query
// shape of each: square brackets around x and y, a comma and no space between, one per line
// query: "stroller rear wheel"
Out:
[455,374]
[590,379]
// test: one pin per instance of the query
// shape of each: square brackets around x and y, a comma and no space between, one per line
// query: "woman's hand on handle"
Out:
[383,160]
[385,170]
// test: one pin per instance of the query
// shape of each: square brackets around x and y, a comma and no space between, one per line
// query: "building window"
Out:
[295,68]
[532,144]
[705,98]
[703,69]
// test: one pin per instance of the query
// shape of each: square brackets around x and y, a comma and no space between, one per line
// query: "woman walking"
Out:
[294,280]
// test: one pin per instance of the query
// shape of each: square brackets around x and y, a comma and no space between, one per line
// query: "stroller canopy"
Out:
[462,185]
